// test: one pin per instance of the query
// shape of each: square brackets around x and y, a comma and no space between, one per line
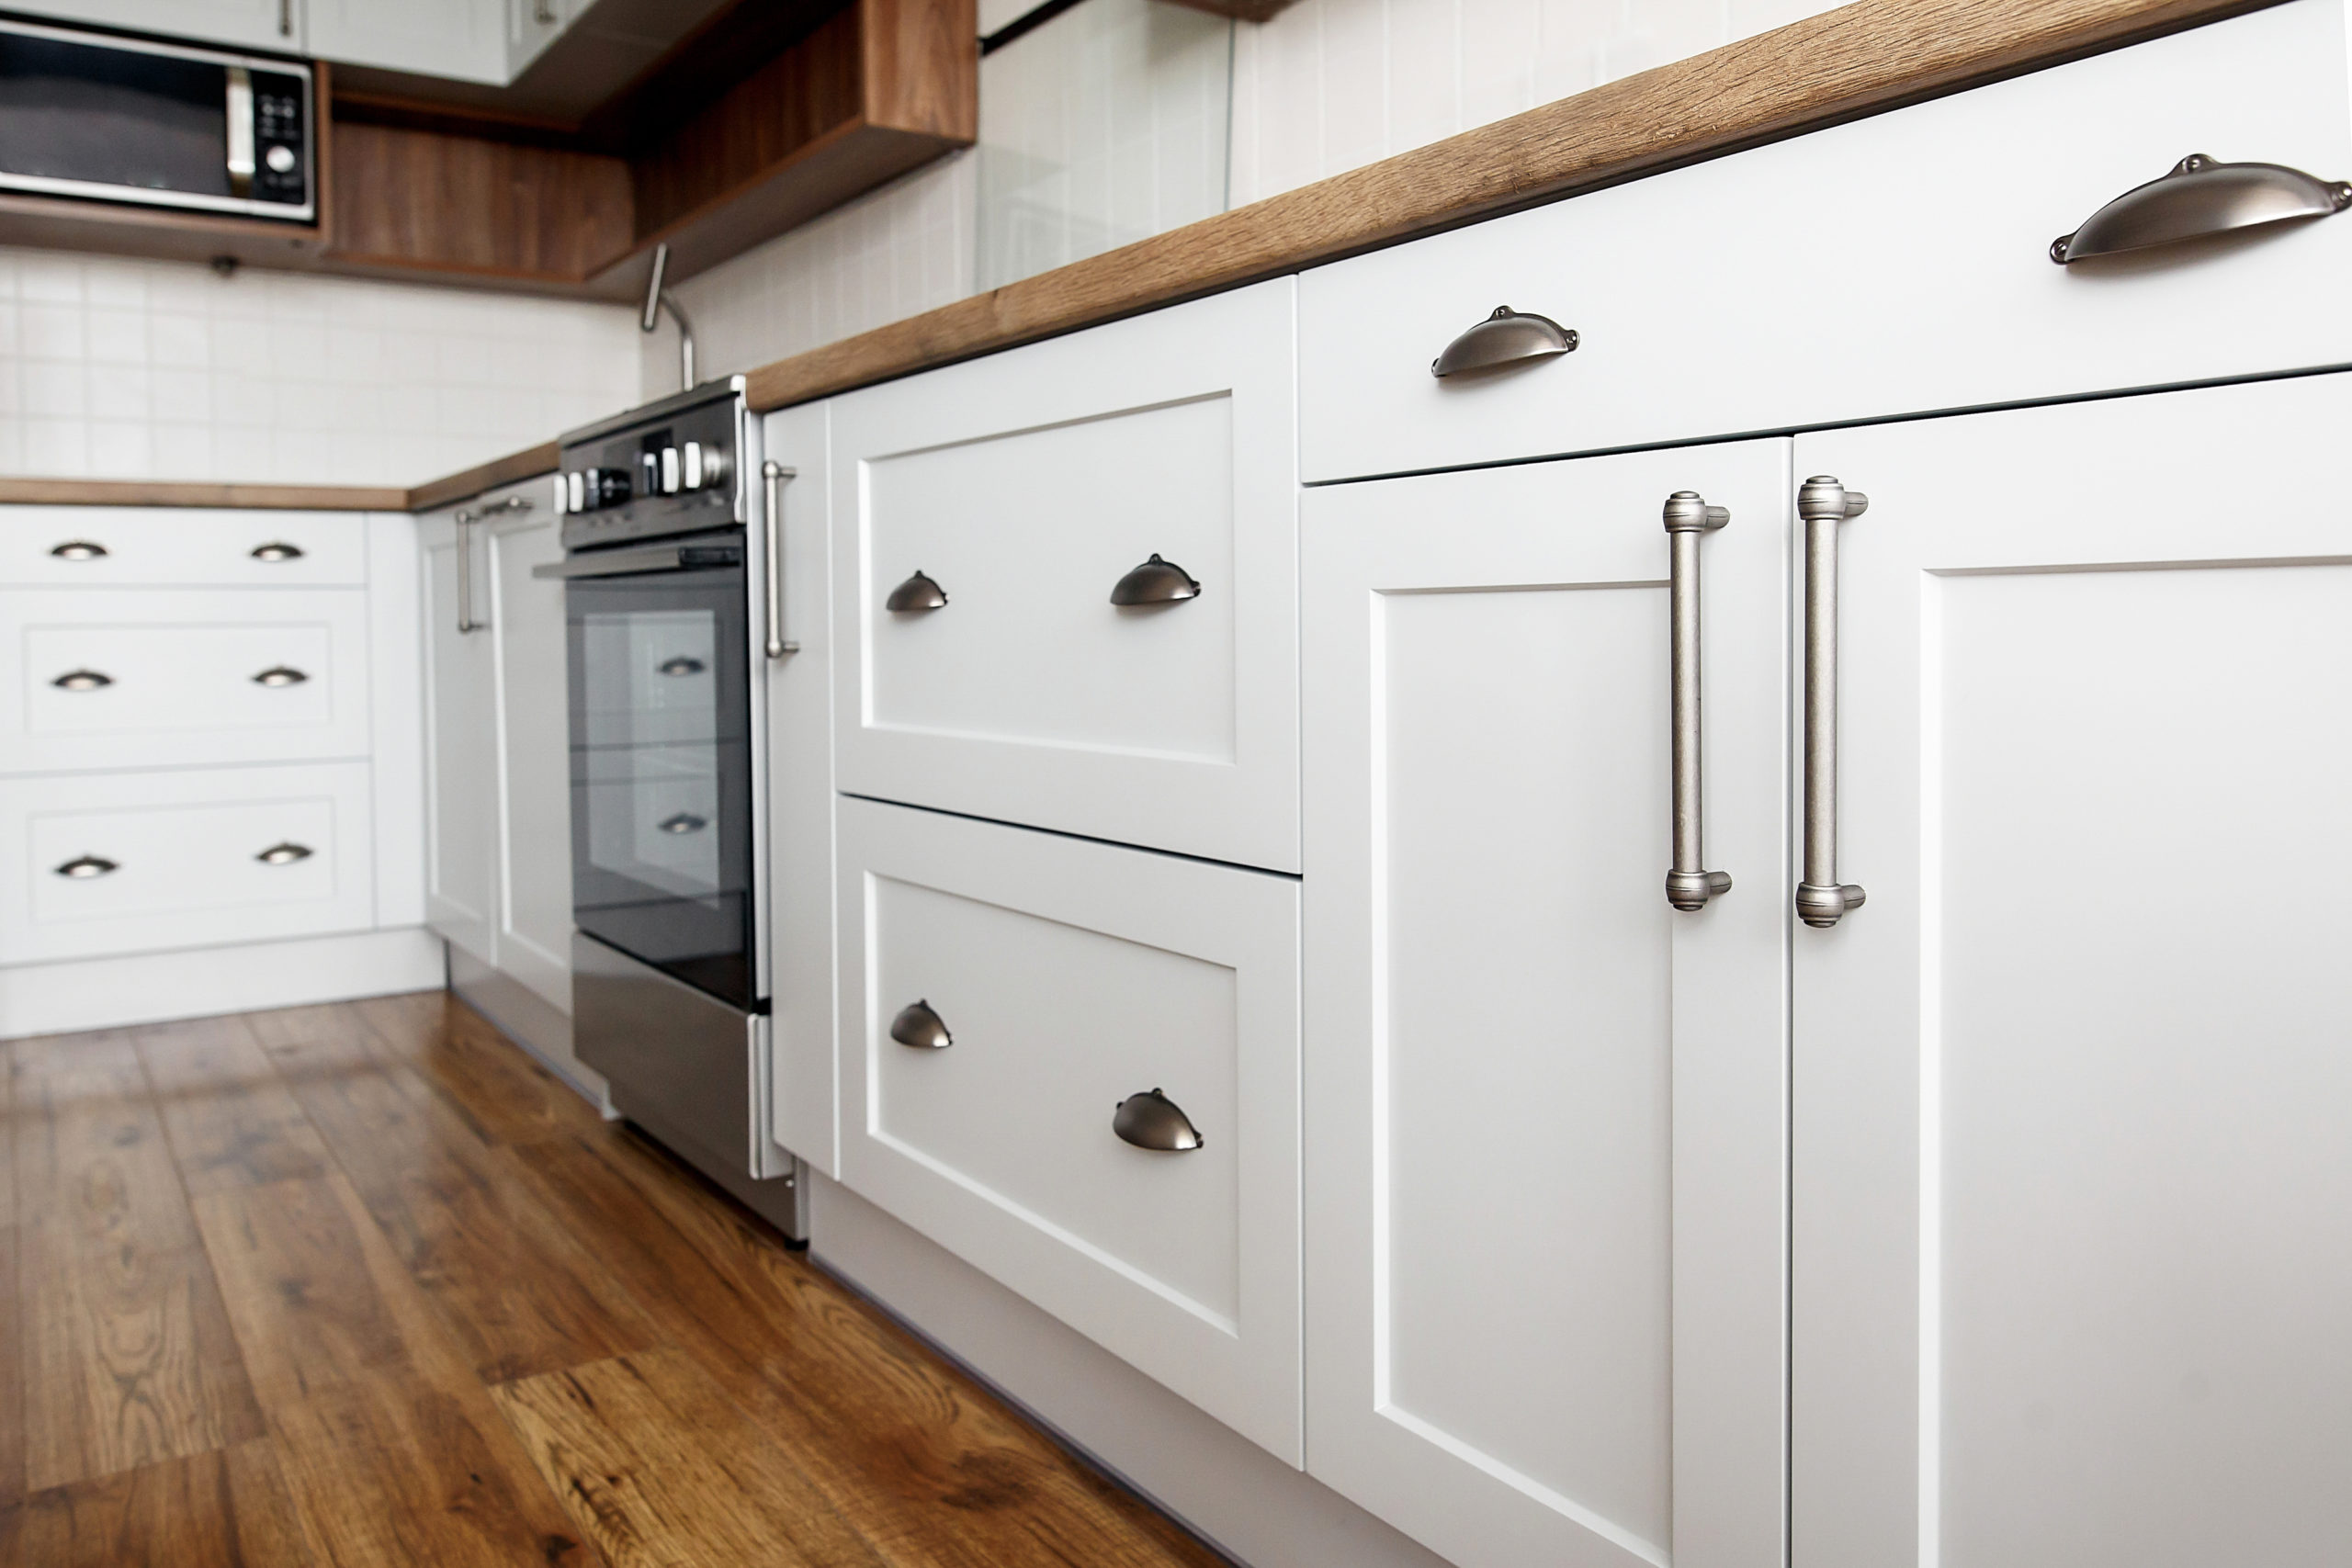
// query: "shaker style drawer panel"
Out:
[1899,264]
[119,546]
[132,862]
[1076,1066]
[1067,576]
[160,679]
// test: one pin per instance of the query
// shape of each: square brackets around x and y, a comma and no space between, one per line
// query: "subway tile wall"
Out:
[1325,86]
[117,368]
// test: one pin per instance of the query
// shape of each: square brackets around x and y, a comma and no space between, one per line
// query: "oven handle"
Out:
[640,563]
[240,105]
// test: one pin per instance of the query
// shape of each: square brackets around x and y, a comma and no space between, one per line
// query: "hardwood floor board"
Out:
[522,1294]
[227,1508]
[393,1449]
[7,1133]
[500,1089]
[662,1470]
[11,1372]
[125,1354]
[930,1467]
[294,1026]
[229,1120]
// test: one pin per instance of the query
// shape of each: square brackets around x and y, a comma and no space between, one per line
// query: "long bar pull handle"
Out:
[465,573]
[1688,885]
[1823,503]
[776,474]
[238,107]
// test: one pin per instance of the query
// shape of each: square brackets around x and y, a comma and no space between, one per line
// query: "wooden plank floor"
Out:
[363,1284]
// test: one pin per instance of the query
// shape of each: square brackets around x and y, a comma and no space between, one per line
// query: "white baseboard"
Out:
[153,988]
[1250,1505]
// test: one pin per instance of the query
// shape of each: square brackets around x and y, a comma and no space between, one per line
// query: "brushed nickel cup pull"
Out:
[83,680]
[1155,581]
[776,473]
[280,675]
[2201,196]
[1823,504]
[82,868]
[918,1026]
[916,595]
[285,854]
[276,550]
[684,664]
[1688,885]
[683,822]
[1506,337]
[79,549]
[1152,1121]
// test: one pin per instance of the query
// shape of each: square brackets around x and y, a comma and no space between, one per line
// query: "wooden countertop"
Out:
[1857,60]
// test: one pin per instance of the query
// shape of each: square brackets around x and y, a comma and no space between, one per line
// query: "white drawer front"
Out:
[1896,265]
[154,678]
[130,863]
[1072,976]
[154,546]
[1026,485]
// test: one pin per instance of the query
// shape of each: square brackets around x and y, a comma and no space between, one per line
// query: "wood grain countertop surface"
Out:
[1857,60]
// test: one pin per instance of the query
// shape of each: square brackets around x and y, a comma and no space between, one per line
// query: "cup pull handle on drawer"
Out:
[918,1026]
[82,681]
[1155,581]
[79,549]
[1688,885]
[81,868]
[915,595]
[280,675]
[276,550]
[2201,197]
[1152,1121]
[285,854]
[1506,337]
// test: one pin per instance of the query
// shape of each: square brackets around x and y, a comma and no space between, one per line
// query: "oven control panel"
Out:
[668,470]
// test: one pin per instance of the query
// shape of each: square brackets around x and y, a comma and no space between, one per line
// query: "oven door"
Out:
[661,759]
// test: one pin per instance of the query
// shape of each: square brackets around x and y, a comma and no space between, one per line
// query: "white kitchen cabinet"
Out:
[1544,1111]
[272,24]
[1000,504]
[803,1073]
[161,546]
[2070,1178]
[461,819]
[531,26]
[461,39]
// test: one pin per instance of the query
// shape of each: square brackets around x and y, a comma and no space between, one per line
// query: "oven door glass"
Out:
[661,773]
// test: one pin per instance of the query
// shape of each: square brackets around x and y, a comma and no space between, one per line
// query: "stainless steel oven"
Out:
[670,987]
[112,119]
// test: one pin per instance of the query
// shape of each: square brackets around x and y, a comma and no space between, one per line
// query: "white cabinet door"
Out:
[803,1083]
[1545,1111]
[460,738]
[534,779]
[531,26]
[464,40]
[275,25]
[2071,1179]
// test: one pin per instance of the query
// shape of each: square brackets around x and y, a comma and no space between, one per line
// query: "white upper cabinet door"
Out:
[462,39]
[2072,1181]
[273,25]
[1545,1111]
[460,738]
[531,26]
[792,551]
[1899,264]
[1014,496]
[527,640]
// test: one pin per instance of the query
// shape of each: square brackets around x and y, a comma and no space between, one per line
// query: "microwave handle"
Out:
[241,132]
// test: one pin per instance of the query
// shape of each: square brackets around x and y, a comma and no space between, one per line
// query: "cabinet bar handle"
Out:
[1155,581]
[1152,1121]
[2200,196]
[83,867]
[1688,885]
[78,549]
[919,1026]
[83,680]
[776,474]
[276,550]
[285,853]
[465,521]
[1823,504]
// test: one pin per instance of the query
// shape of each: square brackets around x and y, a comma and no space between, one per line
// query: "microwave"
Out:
[124,120]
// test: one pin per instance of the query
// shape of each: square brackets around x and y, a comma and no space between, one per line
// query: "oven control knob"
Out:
[611,486]
[280,158]
[713,467]
[670,470]
[575,490]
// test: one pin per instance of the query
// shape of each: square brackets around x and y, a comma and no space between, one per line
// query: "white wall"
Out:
[1325,86]
[115,368]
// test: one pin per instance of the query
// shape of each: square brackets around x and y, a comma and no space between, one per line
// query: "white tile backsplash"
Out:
[118,368]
